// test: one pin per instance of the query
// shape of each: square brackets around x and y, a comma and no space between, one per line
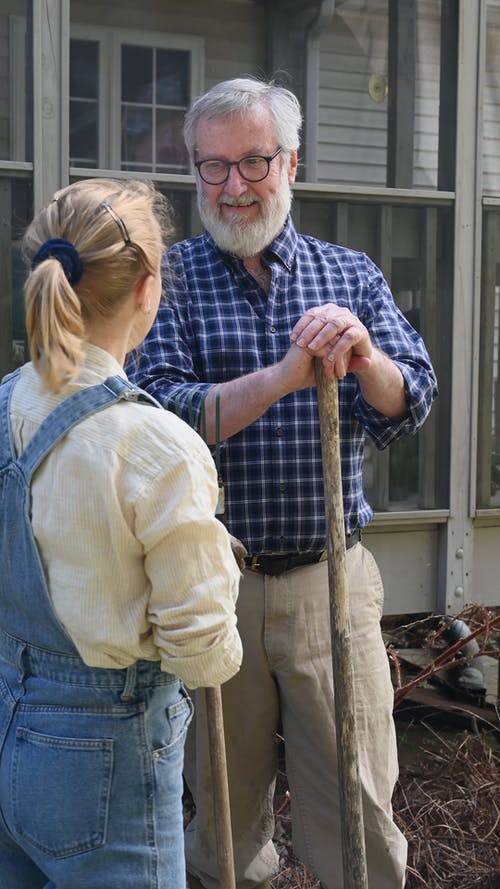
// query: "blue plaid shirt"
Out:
[218,324]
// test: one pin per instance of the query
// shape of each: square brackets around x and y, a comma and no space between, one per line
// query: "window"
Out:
[412,245]
[379,109]
[84,103]
[488,454]
[488,463]
[16,210]
[128,95]
[128,90]
[15,60]
[491,104]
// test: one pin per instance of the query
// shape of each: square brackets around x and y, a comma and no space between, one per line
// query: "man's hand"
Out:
[335,335]
[239,551]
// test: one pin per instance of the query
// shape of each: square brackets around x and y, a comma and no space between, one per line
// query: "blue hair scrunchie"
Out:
[65,253]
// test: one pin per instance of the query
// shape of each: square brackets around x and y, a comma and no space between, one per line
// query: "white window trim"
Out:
[110,41]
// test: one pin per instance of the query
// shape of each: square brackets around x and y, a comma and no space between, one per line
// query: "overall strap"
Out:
[72,411]
[6,441]
[23,586]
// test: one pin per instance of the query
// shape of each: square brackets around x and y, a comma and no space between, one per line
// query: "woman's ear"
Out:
[143,294]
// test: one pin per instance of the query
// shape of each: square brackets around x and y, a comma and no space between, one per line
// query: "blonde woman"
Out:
[118,584]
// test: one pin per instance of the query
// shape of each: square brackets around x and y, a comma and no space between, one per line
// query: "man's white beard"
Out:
[244,238]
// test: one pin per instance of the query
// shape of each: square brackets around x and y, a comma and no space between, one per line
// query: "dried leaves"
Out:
[448,806]
[447,803]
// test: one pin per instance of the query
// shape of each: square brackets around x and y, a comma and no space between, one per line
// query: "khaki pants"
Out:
[286,675]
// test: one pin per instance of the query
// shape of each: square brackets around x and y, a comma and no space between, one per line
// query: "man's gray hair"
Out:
[240,96]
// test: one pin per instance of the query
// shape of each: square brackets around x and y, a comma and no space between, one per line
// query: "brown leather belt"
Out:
[278,563]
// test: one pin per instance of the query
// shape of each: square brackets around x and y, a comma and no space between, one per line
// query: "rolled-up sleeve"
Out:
[192,571]
[394,335]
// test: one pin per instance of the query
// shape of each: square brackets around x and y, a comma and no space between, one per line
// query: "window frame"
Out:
[110,42]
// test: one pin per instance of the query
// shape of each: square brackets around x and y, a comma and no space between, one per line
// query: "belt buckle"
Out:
[254,563]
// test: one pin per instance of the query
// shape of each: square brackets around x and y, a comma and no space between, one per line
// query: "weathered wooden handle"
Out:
[351,812]
[218,762]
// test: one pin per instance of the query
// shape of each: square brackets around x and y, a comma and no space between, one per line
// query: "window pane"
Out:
[16,209]
[83,134]
[180,202]
[491,106]
[155,91]
[171,154]
[364,137]
[84,69]
[137,74]
[488,465]
[172,77]
[137,138]
[15,63]
[413,248]
[84,103]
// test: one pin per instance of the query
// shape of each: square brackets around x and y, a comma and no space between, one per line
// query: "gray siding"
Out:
[491,106]
[234,32]
[353,127]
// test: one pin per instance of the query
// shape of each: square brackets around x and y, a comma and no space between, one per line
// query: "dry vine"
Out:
[447,802]
[448,806]
[484,626]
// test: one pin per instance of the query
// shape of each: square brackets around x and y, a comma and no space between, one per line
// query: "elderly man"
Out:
[250,304]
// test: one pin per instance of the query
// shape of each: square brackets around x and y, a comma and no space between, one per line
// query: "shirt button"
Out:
[272,329]
[279,431]
[282,486]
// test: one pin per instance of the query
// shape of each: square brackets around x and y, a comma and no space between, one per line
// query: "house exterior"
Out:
[400,158]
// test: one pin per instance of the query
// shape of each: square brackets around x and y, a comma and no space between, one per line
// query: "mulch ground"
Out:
[447,803]
[447,799]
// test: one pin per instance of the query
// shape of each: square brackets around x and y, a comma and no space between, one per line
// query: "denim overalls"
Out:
[90,759]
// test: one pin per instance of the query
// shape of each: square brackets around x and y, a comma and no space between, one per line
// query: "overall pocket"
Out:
[61,791]
[179,715]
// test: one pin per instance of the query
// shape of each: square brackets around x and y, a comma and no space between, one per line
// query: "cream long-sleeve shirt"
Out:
[123,511]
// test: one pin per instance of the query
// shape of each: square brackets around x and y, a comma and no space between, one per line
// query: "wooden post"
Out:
[223,830]
[351,812]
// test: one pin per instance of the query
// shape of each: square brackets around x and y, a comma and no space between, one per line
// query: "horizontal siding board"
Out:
[360,174]
[353,100]
[491,104]
[344,116]
[355,147]
[234,32]
[354,48]
[348,63]
[354,153]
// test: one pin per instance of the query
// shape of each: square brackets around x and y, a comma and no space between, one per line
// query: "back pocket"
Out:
[61,791]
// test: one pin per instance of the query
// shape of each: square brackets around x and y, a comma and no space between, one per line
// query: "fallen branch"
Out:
[449,659]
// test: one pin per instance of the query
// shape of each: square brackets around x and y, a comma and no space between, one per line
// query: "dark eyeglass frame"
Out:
[228,164]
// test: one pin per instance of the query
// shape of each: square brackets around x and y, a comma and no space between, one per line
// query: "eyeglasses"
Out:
[253,169]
